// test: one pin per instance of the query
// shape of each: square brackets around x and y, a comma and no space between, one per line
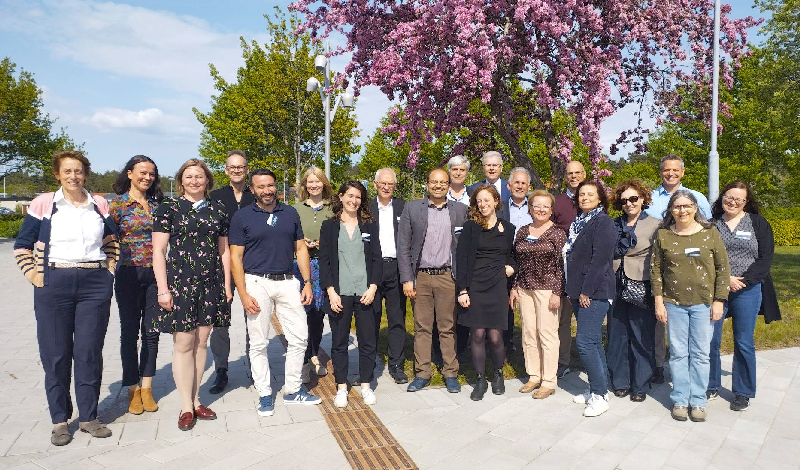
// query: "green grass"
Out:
[780,334]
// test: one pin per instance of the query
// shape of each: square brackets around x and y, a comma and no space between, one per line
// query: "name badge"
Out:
[531,238]
[365,237]
[692,252]
[398,219]
[272,220]
[742,235]
[457,230]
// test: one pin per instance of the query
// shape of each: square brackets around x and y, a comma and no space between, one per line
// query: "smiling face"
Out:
[313,185]
[458,173]
[236,168]
[385,185]
[518,184]
[683,209]
[351,200]
[672,172]
[486,203]
[541,208]
[575,174]
[588,198]
[629,206]
[71,174]
[733,201]
[438,184]
[492,168]
[194,182]
[142,176]
[265,190]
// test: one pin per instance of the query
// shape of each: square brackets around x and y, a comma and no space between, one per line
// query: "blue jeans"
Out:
[589,339]
[689,330]
[742,307]
[631,346]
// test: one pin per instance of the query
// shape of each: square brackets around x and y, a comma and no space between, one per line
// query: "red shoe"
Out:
[186,421]
[201,412]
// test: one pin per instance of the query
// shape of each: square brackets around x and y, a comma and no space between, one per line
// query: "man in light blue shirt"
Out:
[516,209]
[672,171]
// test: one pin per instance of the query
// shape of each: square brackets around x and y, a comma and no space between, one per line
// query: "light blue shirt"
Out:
[519,215]
[464,199]
[661,197]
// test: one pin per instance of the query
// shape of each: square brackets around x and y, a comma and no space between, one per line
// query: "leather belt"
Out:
[389,260]
[435,271]
[88,265]
[275,277]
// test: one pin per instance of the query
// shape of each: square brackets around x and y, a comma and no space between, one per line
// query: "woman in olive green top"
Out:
[313,206]
[689,276]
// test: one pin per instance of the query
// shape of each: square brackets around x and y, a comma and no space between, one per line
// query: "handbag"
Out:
[635,292]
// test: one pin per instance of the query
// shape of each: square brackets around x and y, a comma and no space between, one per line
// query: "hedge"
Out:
[9,227]
[787,232]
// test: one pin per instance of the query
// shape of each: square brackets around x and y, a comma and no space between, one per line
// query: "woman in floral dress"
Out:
[193,280]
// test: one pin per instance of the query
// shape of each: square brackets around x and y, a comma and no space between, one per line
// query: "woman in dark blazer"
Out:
[589,254]
[350,269]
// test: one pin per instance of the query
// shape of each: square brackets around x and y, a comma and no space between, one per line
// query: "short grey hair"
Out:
[457,160]
[236,152]
[520,169]
[669,157]
[491,153]
[378,173]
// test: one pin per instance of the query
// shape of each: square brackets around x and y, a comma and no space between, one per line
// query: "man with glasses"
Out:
[234,196]
[492,169]
[426,252]
[386,209]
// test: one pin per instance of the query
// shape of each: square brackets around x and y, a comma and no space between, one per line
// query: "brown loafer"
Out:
[543,392]
[529,386]
[204,413]
[186,421]
[95,428]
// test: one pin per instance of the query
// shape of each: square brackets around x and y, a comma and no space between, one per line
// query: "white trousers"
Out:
[283,298]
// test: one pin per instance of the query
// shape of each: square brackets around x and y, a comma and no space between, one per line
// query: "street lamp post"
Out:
[322,64]
[713,155]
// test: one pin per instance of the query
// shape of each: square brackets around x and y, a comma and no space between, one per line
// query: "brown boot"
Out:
[135,402]
[148,401]
[543,392]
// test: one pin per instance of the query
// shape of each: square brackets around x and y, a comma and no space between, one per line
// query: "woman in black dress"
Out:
[485,258]
[193,280]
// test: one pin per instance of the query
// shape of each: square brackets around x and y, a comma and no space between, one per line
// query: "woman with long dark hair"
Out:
[750,246]
[350,269]
[139,187]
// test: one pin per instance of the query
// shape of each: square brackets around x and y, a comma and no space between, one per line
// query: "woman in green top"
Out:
[313,206]
[689,276]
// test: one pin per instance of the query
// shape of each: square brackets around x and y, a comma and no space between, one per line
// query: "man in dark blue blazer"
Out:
[492,169]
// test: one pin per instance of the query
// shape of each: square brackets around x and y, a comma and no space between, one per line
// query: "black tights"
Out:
[498,349]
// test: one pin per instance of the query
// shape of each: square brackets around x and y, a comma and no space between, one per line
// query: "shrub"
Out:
[787,232]
[9,227]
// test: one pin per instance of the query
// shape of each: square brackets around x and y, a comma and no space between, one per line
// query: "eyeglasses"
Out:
[683,208]
[384,183]
[237,167]
[438,183]
[492,165]
[541,208]
[632,200]
[735,200]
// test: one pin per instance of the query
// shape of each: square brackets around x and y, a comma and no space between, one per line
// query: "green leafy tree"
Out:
[26,138]
[268,113]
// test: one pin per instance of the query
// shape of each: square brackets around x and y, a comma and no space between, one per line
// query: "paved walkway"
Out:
[436,429]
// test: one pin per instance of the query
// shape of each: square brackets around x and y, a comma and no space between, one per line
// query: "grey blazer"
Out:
[411,235]
[637,259]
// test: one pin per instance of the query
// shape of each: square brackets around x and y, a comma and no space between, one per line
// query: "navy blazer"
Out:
[590,268]
[504,192]
[329,256]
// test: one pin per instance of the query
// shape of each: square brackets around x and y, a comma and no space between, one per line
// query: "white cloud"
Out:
[148,120]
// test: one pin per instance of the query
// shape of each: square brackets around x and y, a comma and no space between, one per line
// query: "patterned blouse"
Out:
[541,266]
[135,230]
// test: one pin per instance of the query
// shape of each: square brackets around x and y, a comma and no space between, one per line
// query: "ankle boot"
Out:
[498,382]
[135,402]
[480,389]
[148,402]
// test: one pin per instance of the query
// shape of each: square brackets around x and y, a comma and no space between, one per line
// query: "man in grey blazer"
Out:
[426,253]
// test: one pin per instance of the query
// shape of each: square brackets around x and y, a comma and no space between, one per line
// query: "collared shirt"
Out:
[268,238]
[135,229]
[463,199]
[438,237]
[227,197]
[497,184]
[569,193]
[76,233]
[661,197]
[386,235]
[519,216]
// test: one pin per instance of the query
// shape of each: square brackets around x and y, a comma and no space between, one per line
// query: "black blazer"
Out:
[590,268]
[468,248]
[329,256]
[397,207]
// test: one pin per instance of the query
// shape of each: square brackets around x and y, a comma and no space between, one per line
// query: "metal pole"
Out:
[713,155]
[327,107]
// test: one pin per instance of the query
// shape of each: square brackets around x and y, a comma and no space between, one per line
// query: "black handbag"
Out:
[634,292]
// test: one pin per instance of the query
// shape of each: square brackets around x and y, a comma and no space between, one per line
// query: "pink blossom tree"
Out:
[490,65]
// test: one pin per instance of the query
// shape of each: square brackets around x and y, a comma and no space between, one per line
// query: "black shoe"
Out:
[712,395]
[740,403]
[638,397]
[658,376]
[479,390]
[498,383]
[220,382]
[397,373]
[622,392]
[562,371]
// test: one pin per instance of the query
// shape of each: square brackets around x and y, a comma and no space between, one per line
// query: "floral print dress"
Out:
[194,265]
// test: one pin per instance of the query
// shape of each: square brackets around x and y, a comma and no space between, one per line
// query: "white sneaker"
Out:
[340,401]
[319,369]
[597,405]
[305,373]
[368,396]
[582,398]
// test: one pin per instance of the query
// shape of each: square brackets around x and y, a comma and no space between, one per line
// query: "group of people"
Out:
[466,257]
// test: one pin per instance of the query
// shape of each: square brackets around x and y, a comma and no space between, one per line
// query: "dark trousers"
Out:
[365,333]
[589,339]
[508,334]
[220,342]
[314,319]
[631,346]
[72,313]
[137,299]
[391,291]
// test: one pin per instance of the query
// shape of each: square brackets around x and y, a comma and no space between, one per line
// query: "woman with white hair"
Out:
[458,169]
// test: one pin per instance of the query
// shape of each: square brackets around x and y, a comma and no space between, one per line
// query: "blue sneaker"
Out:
[301,397]
[418,384]
[266,406]
[452,384]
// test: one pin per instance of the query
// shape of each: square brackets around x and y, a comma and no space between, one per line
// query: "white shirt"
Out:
[463,199]
[386,232]
[76,233]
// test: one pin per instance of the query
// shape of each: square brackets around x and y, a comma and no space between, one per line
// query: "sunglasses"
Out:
[632,199]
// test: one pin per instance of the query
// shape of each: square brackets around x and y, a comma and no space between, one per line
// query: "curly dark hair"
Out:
[336,203]
[634,183]
[752,206]
[474,212]
[123,183]
[601,193]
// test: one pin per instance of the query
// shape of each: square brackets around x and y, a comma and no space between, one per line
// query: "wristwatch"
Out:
[306,281]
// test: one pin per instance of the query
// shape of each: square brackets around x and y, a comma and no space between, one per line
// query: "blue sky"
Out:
[122,77]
